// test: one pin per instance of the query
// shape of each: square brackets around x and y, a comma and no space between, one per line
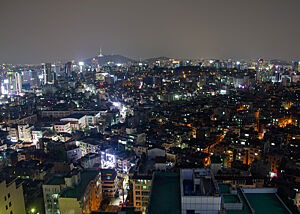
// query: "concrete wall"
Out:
[260,190]
[14,198]
[201,204]
[69,206]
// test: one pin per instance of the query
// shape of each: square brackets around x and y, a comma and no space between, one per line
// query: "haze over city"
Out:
[34,31]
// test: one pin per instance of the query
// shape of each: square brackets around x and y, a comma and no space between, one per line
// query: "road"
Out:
[116,201]
[219,140]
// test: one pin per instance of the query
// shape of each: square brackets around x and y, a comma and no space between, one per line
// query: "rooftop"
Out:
[245,210]
[231,199]
[165,194]
[56,180]
[264,203]
[76,116]
[224,188]
[77,191]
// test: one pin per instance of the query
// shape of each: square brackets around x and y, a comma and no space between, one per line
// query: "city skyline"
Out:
[149,107]
[35,32]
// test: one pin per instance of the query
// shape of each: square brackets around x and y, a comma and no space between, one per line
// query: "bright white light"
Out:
[41,76]
[6,81]
[119,64]
[222,91]
[81,63]
[238,62]
[116,104]
[211,61]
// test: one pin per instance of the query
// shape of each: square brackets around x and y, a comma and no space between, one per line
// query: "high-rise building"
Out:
[18,82]
[56,69]
[68,68]
[48,74]
[34,81]
[296,66]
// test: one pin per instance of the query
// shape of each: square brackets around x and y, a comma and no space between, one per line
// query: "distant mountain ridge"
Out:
[110,58]
[153,60]
[121,59]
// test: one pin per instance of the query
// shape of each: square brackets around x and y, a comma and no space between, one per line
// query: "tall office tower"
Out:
[261,63]
[68,69]
[229,64]
[18,82]
[296,66]
[35,81]
[5,85]
[48,74]
[53,68]
[217,64]
[26,76]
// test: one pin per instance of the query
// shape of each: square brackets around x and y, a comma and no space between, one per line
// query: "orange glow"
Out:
[283,122]
[206,161]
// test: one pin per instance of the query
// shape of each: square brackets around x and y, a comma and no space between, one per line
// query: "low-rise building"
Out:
[12,198]
[83,195]
[51,189]
[77,121]
[141,191]
[24,132]
[109,182]
[91,160]
[62,127]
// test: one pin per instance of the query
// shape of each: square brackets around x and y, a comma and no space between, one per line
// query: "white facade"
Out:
[24,132]
[62,128]
[200,200]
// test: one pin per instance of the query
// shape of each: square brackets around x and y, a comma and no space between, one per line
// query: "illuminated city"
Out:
[96,130]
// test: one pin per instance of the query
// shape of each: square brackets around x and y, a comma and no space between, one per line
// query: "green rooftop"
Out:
[77,190]
[264,203]
[231,199]
[165,194]
[245,210]
[224,188]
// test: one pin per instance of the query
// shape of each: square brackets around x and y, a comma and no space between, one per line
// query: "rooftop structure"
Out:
[199,191]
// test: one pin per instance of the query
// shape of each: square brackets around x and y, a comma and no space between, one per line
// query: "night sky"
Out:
[34,31]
